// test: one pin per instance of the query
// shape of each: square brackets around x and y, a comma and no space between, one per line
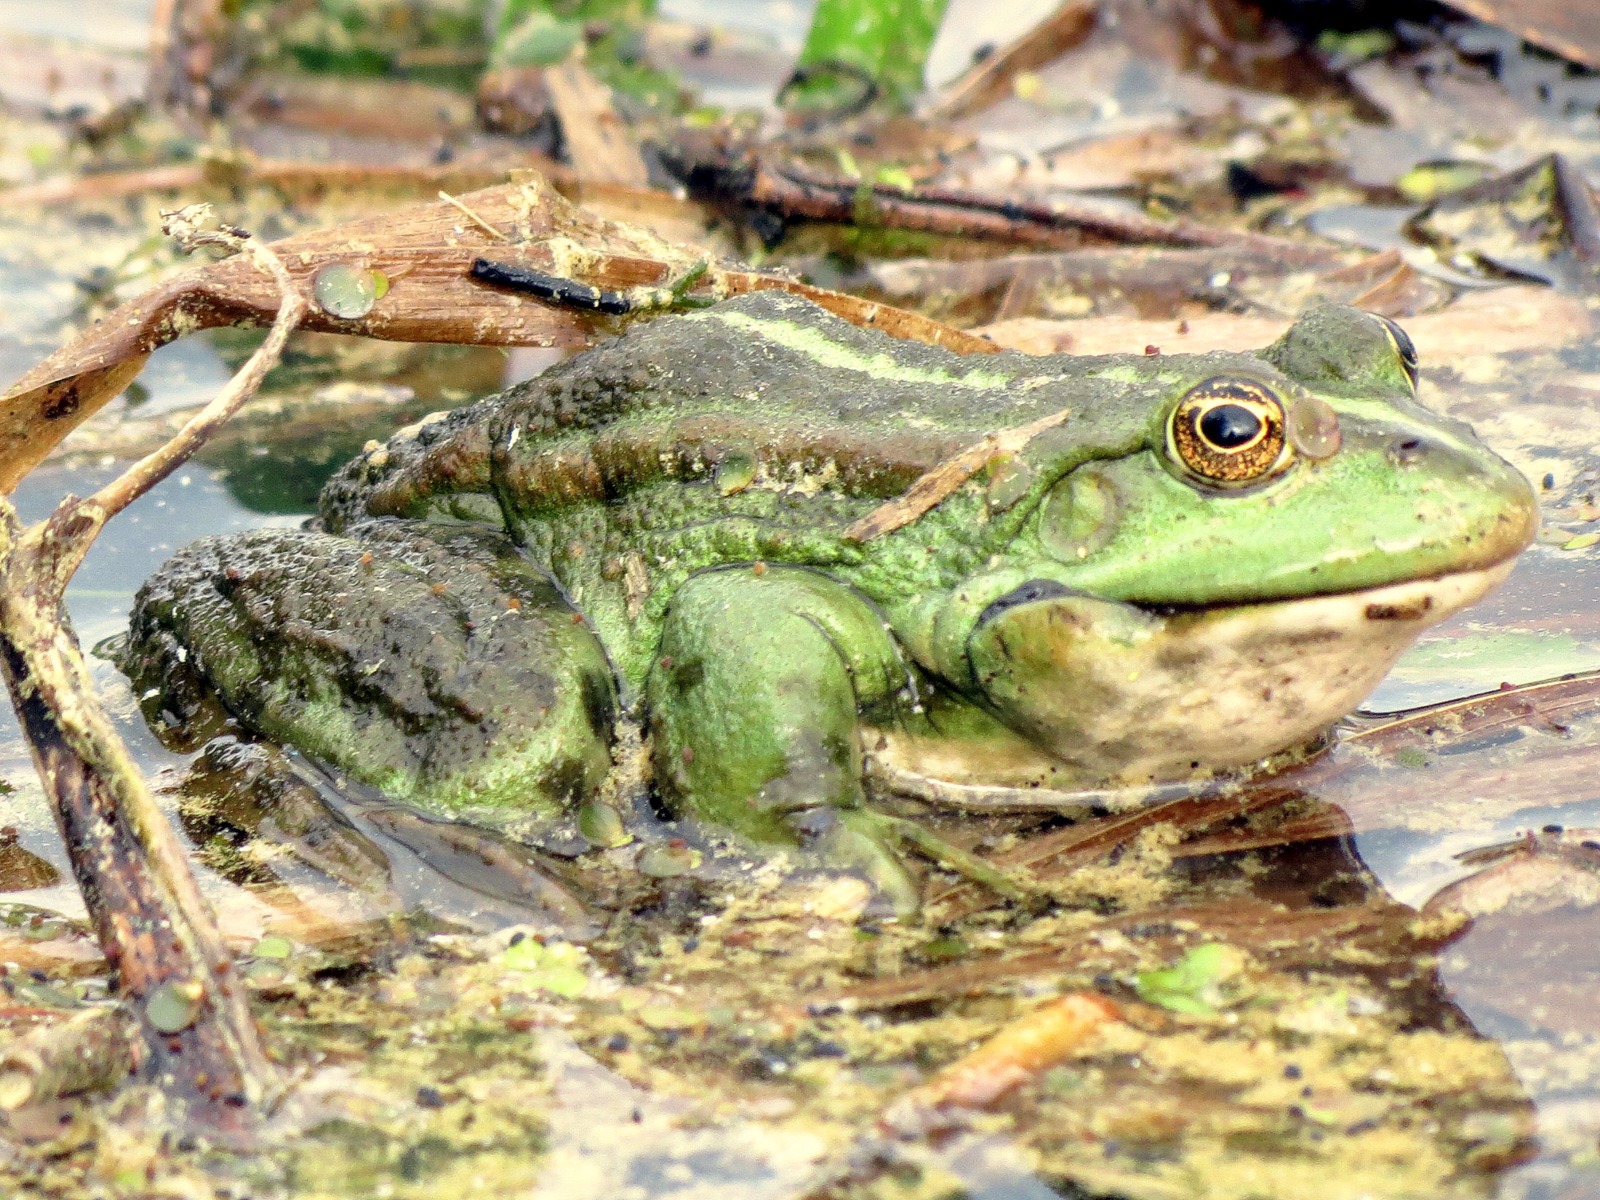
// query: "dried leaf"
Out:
[597,141]
[1571,30]
[994,77]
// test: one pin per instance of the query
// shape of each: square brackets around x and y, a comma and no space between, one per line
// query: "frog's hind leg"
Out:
[433,662]
[753,706]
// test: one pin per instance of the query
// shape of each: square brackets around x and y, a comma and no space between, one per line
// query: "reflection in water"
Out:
[1541,623]
[660,1157]
[1522,962]
[1529,981]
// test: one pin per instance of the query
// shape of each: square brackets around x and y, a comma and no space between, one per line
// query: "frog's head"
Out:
[1244,567]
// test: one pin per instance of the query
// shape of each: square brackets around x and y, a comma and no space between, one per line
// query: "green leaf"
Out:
[1196,984]
[1348,49]
[1411,758]
[539,40]
[885,41]
[557,967]
[273,946]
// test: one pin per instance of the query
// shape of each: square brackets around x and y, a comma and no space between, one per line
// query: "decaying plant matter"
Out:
[423,256]
[174,973]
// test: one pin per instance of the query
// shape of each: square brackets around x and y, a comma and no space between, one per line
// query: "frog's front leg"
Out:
[753,707]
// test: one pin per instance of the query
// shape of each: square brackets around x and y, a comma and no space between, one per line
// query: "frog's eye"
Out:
[1228,431]
[1405,350]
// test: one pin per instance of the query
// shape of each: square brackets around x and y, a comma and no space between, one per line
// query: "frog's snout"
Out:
[1437,501]
[1483,505]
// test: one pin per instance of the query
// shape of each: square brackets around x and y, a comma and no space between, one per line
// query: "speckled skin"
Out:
[689,486]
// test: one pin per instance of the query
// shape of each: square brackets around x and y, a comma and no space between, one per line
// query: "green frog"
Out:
[803,556]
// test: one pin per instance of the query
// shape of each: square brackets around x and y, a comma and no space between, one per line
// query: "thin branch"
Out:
[77,523]
[937,485]
[173,968]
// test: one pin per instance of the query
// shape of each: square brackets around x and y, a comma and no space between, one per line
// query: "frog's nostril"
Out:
[1404,451]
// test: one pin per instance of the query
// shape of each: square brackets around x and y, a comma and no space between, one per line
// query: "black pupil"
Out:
[1229,425]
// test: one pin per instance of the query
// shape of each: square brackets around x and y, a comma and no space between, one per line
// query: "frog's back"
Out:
[769,354]
[767,376]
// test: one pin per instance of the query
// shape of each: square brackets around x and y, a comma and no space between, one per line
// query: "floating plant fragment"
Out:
[1196,985]
[1540,221]
[554,967]
[342,290]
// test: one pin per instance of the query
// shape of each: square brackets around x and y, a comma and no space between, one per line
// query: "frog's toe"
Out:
[857,840]
[892,837]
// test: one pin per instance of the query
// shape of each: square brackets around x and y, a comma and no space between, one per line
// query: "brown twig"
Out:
[1569,30]
[937,484]
[173,969]
[1060,223]
[82,520]
[732,175]
[246,170]
[1014,1055]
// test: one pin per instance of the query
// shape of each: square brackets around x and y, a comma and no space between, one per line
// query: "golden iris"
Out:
[1229,431]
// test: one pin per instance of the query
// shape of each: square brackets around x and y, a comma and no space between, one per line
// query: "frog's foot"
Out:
[899,834]
[259,822]
[851,839]
[876,845]
[754,694]
[270,824]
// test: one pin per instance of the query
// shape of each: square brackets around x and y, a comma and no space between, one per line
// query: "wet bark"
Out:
[200,1045]
[213,1068]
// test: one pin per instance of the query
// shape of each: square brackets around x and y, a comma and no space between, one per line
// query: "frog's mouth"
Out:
[1134,695]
